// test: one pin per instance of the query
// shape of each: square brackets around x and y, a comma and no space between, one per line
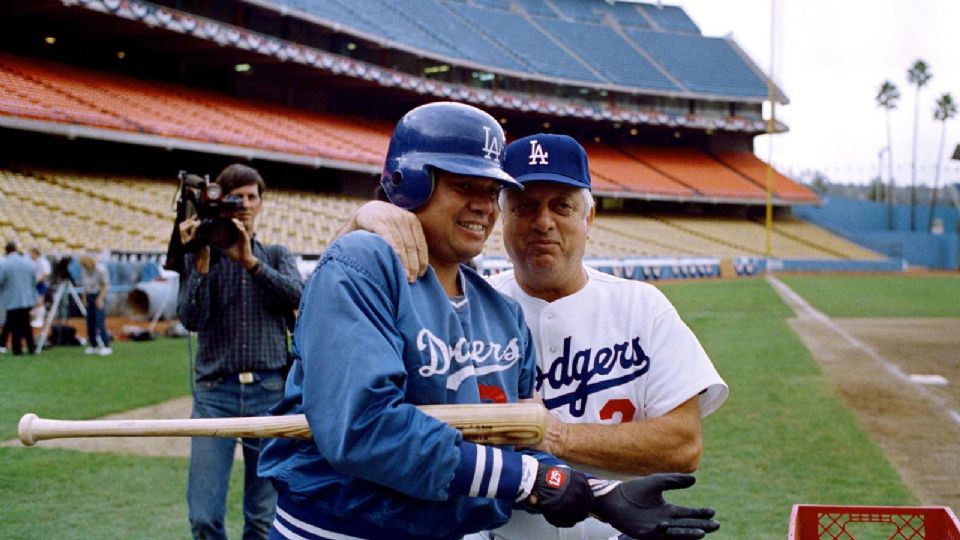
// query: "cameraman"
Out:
[238,300]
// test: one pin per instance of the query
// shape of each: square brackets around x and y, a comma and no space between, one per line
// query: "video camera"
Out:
[200,197]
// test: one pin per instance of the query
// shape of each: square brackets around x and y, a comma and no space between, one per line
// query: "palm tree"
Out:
[919,74]
[946,109]
[887,98]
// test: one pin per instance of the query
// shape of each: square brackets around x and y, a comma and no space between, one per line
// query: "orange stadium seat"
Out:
[43,98]
[630,174]
[42,89]
[755,169]
[698,171]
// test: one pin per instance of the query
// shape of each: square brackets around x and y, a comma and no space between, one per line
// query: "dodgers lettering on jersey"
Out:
[464,358]
[572,373]
[614,351]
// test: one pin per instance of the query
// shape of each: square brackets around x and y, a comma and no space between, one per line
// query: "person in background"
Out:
[19,295]
[240,301]
[95,282]
[41,267]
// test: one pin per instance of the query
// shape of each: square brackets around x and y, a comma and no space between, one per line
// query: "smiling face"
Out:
[458,218]
[545,230]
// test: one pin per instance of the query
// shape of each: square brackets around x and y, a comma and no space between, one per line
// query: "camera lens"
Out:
[223,233]
[213,192]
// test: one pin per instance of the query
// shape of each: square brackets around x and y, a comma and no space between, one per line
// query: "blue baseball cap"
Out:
[546,157]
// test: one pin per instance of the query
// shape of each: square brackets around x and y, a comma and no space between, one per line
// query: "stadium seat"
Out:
[751,167]
[47,90]
[630,174]
[697,171]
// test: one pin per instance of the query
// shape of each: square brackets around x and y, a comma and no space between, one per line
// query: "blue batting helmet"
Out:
[448,136]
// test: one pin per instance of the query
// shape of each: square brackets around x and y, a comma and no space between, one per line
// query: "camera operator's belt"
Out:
[248,377]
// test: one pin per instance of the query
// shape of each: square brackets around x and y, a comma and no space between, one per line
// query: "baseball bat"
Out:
[506,423]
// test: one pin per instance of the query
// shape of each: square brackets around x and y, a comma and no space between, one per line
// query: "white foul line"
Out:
[799,304]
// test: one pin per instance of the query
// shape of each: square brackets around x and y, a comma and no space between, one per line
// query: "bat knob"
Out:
[25,429]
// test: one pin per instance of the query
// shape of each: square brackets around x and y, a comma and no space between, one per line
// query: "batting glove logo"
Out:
[555,478]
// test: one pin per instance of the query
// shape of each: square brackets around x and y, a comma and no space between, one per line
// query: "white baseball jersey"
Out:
[614,351]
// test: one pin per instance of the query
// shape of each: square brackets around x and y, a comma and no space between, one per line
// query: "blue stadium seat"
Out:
[580,10]
[702,64]
[670,18]
[518,35]
[627,14]
[608,53]
[498,34]
[335,11]
[465,41]
[496,4]
[537,7]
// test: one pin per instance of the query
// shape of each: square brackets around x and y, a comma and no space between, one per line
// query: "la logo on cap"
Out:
[537,154]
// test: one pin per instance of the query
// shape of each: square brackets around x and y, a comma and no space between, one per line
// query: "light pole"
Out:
[889,190]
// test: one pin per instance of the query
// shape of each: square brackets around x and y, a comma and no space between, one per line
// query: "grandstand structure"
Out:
[96,124]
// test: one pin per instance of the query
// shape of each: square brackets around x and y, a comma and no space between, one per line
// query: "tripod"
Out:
[64,287]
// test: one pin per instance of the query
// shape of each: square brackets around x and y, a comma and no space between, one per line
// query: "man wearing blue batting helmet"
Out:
[371,346]
[626,380]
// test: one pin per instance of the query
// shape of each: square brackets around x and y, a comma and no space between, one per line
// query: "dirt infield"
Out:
[869,363]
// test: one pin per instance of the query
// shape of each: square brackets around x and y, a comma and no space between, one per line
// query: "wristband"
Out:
[255,269]
[487,471]
[528,477]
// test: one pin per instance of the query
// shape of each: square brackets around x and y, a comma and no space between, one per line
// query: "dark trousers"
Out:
[18,324]
[97,335]
[6,330]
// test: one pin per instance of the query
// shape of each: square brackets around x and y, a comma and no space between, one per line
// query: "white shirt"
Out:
[614,351]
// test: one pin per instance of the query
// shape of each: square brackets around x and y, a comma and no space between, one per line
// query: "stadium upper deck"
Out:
[632,47]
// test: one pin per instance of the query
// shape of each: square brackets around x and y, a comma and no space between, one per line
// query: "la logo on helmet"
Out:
[491,145]
[537,153]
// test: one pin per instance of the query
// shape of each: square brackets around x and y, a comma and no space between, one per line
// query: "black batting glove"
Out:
[638,509]
[561,494]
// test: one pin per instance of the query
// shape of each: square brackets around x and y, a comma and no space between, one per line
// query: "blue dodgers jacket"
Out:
[370,347]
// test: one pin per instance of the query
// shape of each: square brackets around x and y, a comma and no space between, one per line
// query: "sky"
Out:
[830,58]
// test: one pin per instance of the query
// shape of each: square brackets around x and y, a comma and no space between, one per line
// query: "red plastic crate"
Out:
[820,521]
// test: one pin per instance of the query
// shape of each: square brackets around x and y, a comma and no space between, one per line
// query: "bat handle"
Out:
[25,429]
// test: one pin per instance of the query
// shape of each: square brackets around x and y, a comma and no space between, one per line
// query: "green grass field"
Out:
[880,295]
[781,438]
